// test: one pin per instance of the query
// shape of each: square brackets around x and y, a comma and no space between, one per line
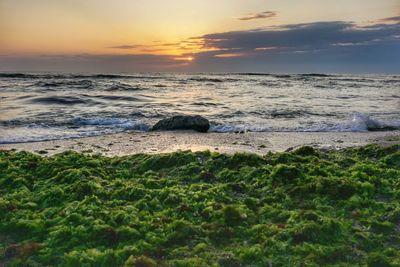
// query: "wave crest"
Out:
[359,122]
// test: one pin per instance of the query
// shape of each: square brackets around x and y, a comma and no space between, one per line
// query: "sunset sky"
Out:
[202,35]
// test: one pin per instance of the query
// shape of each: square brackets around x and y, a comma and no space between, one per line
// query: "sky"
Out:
[341,36]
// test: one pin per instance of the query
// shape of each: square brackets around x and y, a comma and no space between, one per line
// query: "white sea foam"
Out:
[358,122]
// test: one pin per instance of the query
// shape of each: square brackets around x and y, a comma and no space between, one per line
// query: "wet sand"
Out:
[163,142]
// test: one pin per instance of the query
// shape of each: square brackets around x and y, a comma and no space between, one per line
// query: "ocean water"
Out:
[36,107]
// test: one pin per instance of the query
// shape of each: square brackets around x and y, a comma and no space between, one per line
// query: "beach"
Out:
[129,143]
[282,170]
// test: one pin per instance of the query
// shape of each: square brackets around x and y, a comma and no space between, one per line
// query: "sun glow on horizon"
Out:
[192,34]
[188,59]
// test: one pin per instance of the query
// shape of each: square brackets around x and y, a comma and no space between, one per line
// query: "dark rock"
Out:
[197,123]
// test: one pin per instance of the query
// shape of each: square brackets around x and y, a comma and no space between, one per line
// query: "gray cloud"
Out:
[391,19]
[304,37]
[336,46]
[262,15]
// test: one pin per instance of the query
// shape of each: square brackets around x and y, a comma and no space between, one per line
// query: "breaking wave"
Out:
[359,122]
[124,124]
[87,127]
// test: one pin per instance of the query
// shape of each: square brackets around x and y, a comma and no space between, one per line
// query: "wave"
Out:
[104,76]
[290,114]
[278,76]
[118,76]
[17,75]
[277,114]
[82,84]
[272,83]
[359,122]
[62,100]
[125,124]
[114,76]
[285,75]
[204,104]
[322,75]
[251,74]
[85,99]
[239,128]
[23,132]
[85,84]
[118,98]
[118,86]
[138,98]
[204,79]
[259,74]
[211,80]
[75,76]
[33,76]
[282,76]
[392,81]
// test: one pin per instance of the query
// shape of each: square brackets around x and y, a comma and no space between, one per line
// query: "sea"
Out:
[48,106]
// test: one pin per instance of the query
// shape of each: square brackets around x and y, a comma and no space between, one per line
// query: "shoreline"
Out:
[128,143]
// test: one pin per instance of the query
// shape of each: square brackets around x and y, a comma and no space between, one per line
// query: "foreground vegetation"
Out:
[303,208]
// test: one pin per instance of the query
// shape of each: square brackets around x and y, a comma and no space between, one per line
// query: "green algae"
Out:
[299,208]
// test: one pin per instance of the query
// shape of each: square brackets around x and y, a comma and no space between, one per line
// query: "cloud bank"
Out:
[305,37]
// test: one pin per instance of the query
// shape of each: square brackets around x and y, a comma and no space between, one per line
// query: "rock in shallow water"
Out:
[197,123]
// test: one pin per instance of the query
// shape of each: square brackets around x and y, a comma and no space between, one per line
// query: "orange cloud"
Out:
[230,55]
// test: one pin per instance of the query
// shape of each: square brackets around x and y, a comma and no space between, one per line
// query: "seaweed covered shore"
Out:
[299,208]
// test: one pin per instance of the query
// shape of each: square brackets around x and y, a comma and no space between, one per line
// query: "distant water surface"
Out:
[35,107]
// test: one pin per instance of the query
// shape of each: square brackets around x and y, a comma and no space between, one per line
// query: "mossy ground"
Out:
[303,208]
